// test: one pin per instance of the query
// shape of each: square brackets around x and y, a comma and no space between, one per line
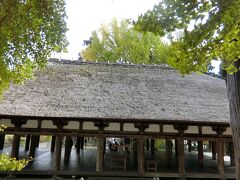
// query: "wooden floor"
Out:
[84,164]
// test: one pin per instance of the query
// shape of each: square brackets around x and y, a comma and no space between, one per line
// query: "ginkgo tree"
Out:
[118,40]
[210,31]
[30,30]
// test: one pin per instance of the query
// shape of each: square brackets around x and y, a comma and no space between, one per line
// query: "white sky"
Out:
[85,16]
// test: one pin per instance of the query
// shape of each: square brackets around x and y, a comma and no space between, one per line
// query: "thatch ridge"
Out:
[78,62]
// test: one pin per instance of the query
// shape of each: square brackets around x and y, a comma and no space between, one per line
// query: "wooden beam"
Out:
[141,156]
[15,146]
[93,133]
[121,126]
[100,154]
[220,157]
[53,142]
[119,120]
[161,127]
[200,153]
[181,158]
[57,153]
[27,142]
[2,140]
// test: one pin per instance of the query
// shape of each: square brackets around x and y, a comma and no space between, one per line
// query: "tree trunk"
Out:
[233,89]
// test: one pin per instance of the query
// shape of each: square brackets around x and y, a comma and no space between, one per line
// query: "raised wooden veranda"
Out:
[141,161]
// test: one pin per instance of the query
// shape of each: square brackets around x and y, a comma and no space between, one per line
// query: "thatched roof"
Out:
[75,89]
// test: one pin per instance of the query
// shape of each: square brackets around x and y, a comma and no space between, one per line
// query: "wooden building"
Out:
[140,103]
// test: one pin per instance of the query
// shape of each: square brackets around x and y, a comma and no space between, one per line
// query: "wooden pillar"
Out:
[53,142]
[147,144]
[38,136]
[141,156]
[181,158]
[176,147]
[189,146]
[68,148]
[27,142]
[81,142]
[152,146]
[200,153]
[232,154]
[210,145]
[100,154]
[214,148]
[16,138]
[127,142]
[57,153]
[15,146]
[135,148]
[2,140]
[168,147]
[78,143]
[220,157]
[104,145]
[33,146]
[37,141]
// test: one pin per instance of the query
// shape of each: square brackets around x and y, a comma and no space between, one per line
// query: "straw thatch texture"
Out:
[69,89]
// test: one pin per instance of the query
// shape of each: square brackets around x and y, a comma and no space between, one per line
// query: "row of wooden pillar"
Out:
[32,142]
[217,153]
[56,147]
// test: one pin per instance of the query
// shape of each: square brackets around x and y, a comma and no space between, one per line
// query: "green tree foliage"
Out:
[118,40]
[214,33]
[29,31]
[11,164]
